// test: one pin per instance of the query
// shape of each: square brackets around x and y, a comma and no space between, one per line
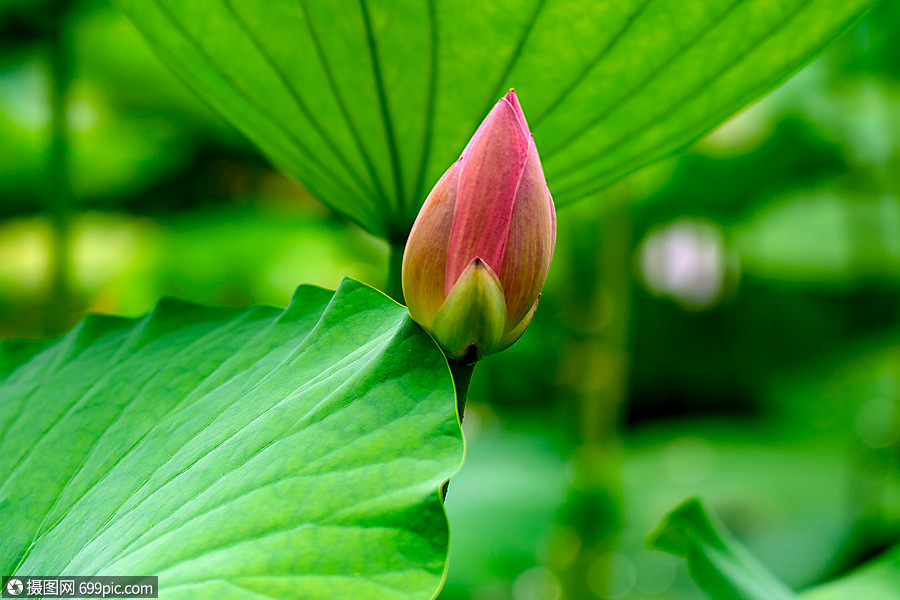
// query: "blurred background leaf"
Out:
[726,571]
[719,565]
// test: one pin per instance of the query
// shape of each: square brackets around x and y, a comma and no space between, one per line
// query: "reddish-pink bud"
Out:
[479,251]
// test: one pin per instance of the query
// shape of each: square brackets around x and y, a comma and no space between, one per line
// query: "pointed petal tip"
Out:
[513,101]
[481,264]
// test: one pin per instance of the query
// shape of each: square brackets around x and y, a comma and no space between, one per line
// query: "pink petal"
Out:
[532,234]
[491,165]
[425,256]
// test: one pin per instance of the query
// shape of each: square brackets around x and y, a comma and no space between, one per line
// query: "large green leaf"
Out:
[367,102]
[235,453]
[725,570]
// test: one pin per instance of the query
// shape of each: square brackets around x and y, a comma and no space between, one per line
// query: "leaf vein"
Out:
[681,102]
[430,105]
[294,94]
[607,48]
[327,174]
[643,83]
[342,105]
[324,376]
[88,394]
[386,117]
[514,58]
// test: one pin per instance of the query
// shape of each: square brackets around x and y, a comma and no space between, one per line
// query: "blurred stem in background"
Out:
[594,375]
[394,287]
[58,195]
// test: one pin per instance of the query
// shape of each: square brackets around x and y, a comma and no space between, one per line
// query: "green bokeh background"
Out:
[724,324]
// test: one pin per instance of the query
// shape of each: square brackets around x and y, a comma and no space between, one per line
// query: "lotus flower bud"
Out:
[479,251]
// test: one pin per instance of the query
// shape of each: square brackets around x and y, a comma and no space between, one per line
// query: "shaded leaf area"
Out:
[877,581]
[367,103]
[235,453]
[725,570]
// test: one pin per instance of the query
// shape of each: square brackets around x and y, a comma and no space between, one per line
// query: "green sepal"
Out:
[474,313]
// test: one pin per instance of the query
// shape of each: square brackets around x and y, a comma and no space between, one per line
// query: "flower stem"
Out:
[462,370]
